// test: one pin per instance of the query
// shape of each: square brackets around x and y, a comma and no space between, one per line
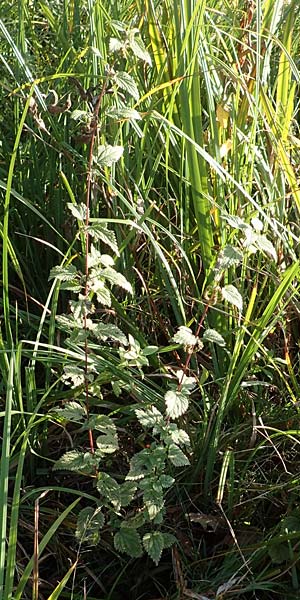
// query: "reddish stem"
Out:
[94,126]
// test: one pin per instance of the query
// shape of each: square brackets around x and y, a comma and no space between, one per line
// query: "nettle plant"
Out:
[133,509]
[132,506]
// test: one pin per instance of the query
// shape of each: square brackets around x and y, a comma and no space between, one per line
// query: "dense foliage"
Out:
[149,354]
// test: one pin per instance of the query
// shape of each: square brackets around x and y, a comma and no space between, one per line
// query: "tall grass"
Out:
[218,138]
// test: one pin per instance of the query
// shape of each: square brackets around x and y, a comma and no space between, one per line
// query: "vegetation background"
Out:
[195,105]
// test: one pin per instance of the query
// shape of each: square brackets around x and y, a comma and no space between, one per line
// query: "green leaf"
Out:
[78,210]
[116,278]
[236,222]
[145,462]
[89,522]
[80,115]
[149,350]
[153,543]
[177,457]
[180,437]
[166,481]
[138,520]
[127,83]
[72,411]
[108,444]
[233,296]
[211,335]
[102,292]
[124,113]
[169,540]
[115,45]
[80,308]
[104,331]
[185,336]
[177,403]
[108,487]
[63,273]
[74,460]
[263,244]
[150,417]
[127,492]
[138,48]
[100,232]
[227,258]
[108,155]
[75,374]
[128,541]
[186,383]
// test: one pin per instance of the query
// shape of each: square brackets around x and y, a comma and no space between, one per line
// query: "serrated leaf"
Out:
[137,521]
[72,411]
[116,278]
[153,543]
[127,83]
[81,307]
[263,244]
[227,258]
[108,444]
[185,336]
[169,540]
[127,492]
[89,523]
[236,222]
[104,331]
[150,417]
[108,155]
[100,232]
[211,335]
[177,403]
[186,383]
[177,457]
[166,481]
[108,487]
[80,115]
[71,286]
[138,48]
[145,461]
[115,45]
[124,113]
[63,273]
[102,292]
[74,460]
[78,210]
[101,423]
[180,437]
[233,296]
[75,374]
[128,541]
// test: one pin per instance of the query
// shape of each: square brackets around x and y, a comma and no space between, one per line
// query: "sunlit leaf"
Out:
[233,296]
[177,457]
[127,83]
[177,403]
[72,411]
[108,155]
[211,335]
